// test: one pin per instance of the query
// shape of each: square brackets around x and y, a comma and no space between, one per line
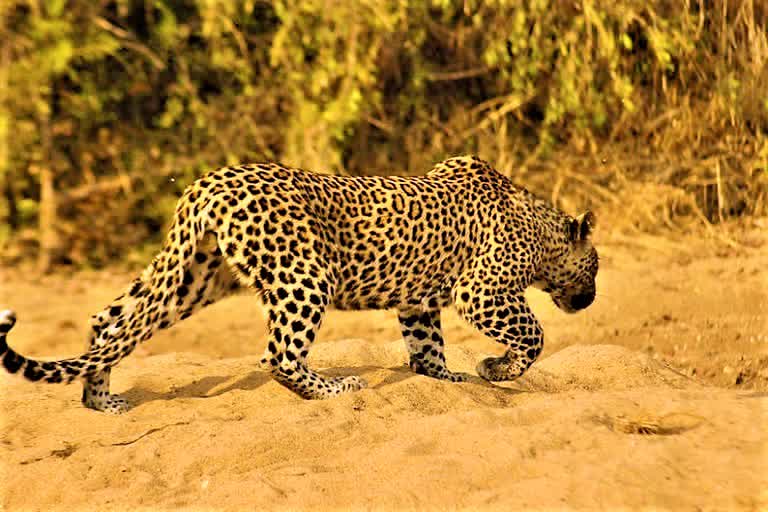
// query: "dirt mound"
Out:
[601,367]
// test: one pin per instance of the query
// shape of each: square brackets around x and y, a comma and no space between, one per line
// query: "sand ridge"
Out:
[620,412]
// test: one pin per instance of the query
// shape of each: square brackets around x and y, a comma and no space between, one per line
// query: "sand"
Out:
[654,398]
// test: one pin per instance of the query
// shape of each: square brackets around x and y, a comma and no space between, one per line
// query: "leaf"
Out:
[626,42]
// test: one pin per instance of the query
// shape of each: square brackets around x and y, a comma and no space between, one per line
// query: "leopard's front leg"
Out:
[509,320]
[424,340]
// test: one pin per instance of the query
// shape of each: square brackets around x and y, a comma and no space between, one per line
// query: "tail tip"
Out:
[7,320]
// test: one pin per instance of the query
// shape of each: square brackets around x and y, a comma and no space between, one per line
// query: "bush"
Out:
[110,105]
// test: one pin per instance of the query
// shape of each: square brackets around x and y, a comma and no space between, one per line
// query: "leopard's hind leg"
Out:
[296,292]
[96,394]
[293,325]
[206,281]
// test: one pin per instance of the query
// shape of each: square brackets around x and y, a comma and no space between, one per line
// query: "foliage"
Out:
[122,102]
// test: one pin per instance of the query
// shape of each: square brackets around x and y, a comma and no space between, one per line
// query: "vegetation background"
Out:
[656,109]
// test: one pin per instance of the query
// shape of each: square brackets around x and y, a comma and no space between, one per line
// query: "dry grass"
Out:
[691,152]
[648,424]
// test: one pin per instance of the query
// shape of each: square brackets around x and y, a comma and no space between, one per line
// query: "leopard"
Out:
[463,235]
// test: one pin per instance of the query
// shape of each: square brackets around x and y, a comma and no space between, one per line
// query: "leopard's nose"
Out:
[582,300]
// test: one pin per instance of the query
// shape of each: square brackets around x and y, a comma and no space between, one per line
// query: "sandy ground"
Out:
[656,398]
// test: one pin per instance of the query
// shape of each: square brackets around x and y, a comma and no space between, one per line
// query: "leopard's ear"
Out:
[580,228]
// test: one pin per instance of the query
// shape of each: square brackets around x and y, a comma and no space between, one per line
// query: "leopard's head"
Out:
[568,272]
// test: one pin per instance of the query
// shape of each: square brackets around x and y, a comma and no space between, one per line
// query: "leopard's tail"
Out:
[154,300]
